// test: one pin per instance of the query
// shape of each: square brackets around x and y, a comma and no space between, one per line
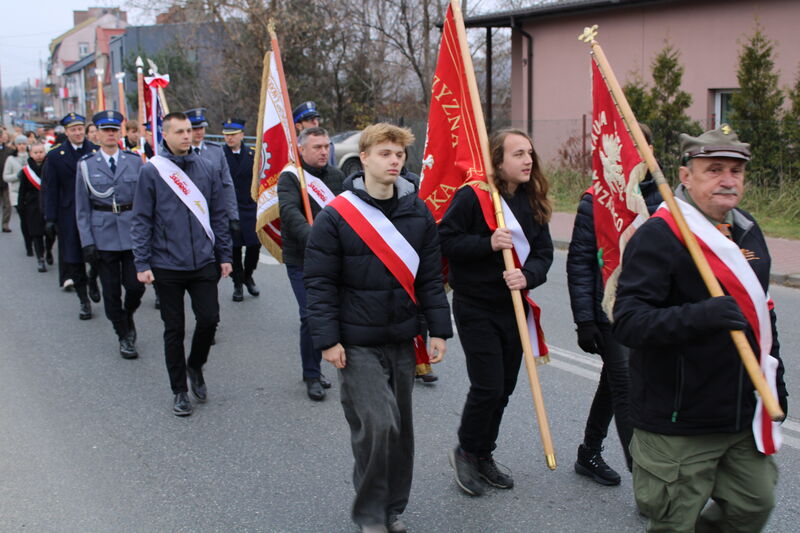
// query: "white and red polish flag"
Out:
[274,156]
[154,108]
[617,169]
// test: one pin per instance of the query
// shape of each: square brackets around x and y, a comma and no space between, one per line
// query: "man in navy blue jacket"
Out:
[182,243]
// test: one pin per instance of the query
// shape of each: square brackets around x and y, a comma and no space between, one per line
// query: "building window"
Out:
[83,49]
[722,106]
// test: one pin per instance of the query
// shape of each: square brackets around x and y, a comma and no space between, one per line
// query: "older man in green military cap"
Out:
[700,431]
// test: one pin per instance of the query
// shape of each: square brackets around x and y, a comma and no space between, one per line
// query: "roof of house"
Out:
[55,42]
[506,19]
[80,64]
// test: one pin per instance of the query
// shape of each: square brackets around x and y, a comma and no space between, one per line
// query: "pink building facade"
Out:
[68,89]
[551,87]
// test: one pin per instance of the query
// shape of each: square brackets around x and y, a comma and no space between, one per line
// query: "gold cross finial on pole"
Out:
[588,34]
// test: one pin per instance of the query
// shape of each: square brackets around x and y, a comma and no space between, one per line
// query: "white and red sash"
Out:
[521,250]
[185,189]
[317,190]
[35,180]
[386,242]
[734,273]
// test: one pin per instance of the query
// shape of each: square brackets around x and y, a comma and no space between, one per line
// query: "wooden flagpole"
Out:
[298,162]
[140,93]
[508,258]
[120,76]
[254,186]
[712,284]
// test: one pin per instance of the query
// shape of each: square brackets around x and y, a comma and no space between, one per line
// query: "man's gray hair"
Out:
[308,132]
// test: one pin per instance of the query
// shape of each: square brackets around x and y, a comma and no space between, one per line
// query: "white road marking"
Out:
[267,259]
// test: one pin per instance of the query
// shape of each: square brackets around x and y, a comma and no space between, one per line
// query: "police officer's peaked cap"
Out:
[197,117]
[305,111]
[72,119]
[108,120]
[232,125]
[721,142]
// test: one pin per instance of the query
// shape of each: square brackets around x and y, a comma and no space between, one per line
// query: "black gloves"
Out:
[50,230]
[90,253]
[236,229]
[722,312]
[589,337]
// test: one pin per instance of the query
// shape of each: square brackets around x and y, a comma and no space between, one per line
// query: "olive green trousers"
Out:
[674,476]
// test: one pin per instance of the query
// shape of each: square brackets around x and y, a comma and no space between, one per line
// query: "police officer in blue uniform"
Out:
[212,152]
[306,116]
[58,186]
[104,193]
[240,158]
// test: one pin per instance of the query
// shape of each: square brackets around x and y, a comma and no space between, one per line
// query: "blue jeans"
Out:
[311,358]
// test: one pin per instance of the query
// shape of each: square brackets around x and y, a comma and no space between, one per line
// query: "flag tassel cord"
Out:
[712,284]
[516,296]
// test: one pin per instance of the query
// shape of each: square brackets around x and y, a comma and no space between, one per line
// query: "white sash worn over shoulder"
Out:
[521,250]
[185,189]
[317,190]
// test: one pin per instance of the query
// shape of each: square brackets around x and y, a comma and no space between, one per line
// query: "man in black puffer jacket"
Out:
[585,283]
[371,264]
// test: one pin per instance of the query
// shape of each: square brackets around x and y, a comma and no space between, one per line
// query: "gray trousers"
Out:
[376,385]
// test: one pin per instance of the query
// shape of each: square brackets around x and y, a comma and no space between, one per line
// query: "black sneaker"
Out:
[197,384]
[493,475]
[591,464]
[326,384]
[315,390]
[467,475]
[430,377]
[182,405]
[252,288]
[238,294]
[127,349]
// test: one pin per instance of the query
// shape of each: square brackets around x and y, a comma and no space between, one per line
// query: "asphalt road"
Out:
[88,442]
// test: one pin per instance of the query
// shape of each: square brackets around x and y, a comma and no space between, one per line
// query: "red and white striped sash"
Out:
[521,250]
[35,180]
[734,273]
[386,242]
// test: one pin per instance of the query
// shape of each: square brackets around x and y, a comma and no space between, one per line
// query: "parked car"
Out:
[345,147]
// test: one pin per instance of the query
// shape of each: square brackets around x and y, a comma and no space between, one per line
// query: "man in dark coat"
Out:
[699,428]
[585,283]
[58,184]
[240,160]
[365,319]
[295,229]
[182,243]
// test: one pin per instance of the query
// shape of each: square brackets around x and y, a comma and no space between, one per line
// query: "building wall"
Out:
[707,33]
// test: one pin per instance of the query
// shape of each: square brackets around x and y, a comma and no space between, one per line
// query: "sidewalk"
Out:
[785,252]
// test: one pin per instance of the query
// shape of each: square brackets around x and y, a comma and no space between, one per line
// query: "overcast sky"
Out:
[28,28]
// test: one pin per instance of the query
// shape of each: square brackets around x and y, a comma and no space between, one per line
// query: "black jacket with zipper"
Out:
[685,379]
[352,297]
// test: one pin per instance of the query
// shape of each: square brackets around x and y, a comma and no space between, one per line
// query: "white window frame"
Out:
[718,97]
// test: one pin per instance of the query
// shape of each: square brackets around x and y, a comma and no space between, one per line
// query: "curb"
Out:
[775,278]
